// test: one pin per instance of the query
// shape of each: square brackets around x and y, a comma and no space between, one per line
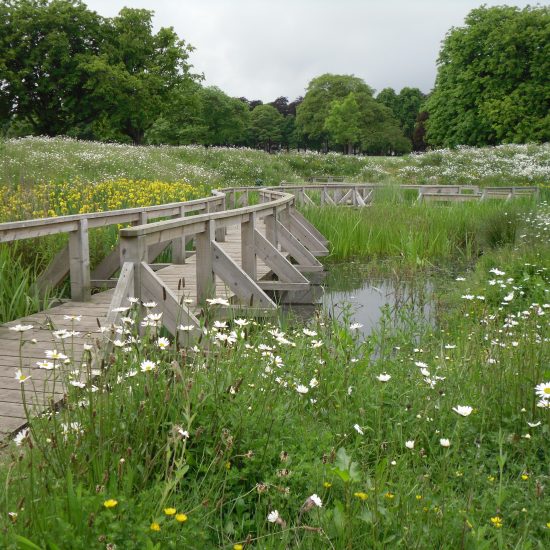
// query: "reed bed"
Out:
[418,235]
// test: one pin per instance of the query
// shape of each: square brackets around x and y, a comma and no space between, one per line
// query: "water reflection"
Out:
[348,290]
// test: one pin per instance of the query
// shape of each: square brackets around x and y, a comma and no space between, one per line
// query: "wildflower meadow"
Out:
[279,433]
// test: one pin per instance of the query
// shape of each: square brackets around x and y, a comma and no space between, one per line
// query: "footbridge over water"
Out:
[246,248]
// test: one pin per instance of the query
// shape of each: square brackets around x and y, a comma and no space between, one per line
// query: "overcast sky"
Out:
[263,49]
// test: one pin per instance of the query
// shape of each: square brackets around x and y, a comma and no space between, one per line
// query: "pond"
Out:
[349,290]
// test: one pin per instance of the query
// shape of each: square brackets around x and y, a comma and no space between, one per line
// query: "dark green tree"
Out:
[314,109]
[405,106]
[493,80]
[66,70]
[44,47]
[225,118]
[266,126]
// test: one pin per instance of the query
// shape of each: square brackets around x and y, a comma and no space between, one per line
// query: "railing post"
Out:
[178,245]
[206,280]
[79,262]
[220,233]
[248,251]
[134,250]
[271,228]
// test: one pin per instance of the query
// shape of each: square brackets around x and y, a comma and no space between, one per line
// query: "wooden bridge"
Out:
[248,248]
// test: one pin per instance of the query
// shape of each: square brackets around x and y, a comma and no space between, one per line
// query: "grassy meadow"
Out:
[277,435]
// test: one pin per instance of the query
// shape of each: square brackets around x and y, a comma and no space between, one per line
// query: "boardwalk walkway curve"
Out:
[249,246]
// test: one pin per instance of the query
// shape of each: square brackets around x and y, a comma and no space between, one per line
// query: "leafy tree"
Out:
[44,47]
[314,109]
[134,77]
[281,104]
[360,122]
[226,118]
[493,80]
[405,106]
[343,122]
[266,126]
[66,70]
[418,138]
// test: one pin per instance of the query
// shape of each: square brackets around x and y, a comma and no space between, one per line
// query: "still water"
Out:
[349,290]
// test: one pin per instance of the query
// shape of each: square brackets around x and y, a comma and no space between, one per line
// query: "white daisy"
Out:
[463,410]
[543,390]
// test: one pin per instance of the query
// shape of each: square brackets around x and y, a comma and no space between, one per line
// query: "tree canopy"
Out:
[493,80]
[341,110]
[405,106]
[66,70]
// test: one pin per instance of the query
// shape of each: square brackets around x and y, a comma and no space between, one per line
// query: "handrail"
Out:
[226,216]
[38,227]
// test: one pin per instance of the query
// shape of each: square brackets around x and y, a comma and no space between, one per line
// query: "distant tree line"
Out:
[65,70]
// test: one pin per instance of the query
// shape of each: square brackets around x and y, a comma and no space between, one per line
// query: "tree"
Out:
[493,79]
[343,122]
[266,126]
[405,106]
[418,138]
[359,122]
[133,78]
[314,109]
[66,70]
[43,48]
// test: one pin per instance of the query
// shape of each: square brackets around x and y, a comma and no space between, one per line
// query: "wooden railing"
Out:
[363,194]
[286,232]
[74,258]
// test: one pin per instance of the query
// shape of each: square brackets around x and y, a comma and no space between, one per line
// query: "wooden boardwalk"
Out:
[252,255]
[83,321]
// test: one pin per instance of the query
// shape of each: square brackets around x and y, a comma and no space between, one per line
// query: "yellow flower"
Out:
[491,479]
[497,522]
[524,477]
[169,511]
[389,495]
[548,525]
[238,547]
[155,526]
[361,496]
[111,503]
[181,518]
[327,485]
[418,497]
[228,465]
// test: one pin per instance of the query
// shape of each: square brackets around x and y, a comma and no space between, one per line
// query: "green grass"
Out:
[18,295]
[416,236]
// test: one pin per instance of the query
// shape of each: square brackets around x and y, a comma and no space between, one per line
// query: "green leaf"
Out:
[26,544]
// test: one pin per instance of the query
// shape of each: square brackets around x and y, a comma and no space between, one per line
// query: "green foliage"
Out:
[66,70]
[321,92]
[266,126]
[405,106]
[18,295]
[420,235]
[341,109]
[492,79]
[342,122]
